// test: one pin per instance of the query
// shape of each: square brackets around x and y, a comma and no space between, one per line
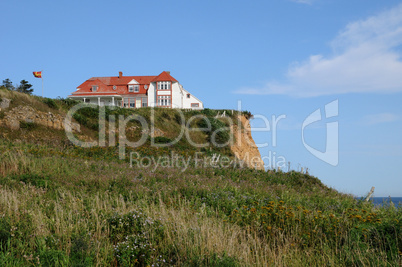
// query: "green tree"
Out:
[25,87]
[8,84]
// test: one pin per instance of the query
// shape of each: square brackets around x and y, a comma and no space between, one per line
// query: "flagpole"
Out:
[42,82]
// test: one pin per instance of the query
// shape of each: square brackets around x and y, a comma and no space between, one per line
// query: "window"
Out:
[163,85]
[188,95]
[195,105]
[131,88]
[144,102]
[132,102]
[164,100]
[87,100]
[94,88]
[136,88]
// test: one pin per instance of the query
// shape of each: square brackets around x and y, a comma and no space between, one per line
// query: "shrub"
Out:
[209,112]
[219,132]
[50,102]
[179,119]
[162,140]
[247,114]
[83,120]
[33,179]
[89,112]
[68,101]
[28,125]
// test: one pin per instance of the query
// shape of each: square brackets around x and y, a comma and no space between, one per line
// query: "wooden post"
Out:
[369,194]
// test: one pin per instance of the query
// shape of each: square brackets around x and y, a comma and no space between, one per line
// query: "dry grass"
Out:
[58,200]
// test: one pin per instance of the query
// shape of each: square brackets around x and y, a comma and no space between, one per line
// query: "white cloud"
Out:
[380,118]
[365,59]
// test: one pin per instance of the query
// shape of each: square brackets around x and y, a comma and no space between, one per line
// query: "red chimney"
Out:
[120,74]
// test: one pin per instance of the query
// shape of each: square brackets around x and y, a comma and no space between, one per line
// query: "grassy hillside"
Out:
[62,205]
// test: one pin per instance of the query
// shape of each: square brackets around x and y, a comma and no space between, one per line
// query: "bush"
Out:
[209,112]
[247,114]
[33,179]
[27,125]
[68,102]
[162,140]
[218,132]
[89,112]
[50,102]
[83,120]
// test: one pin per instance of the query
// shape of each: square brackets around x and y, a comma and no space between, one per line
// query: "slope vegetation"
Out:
[66,205]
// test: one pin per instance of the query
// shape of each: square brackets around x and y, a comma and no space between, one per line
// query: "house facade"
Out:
[136,91]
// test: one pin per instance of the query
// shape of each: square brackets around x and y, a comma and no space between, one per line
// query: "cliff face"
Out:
[244,146]
[13,117]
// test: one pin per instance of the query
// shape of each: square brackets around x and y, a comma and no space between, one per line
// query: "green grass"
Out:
[62,205]
[72,207]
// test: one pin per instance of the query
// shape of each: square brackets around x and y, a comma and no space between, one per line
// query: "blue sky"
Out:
[278,57]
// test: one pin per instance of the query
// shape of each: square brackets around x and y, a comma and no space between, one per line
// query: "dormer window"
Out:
[94,88]
[163,85]
[134,88]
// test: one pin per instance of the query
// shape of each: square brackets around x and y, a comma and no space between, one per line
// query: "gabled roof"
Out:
[119,84]
[164,77]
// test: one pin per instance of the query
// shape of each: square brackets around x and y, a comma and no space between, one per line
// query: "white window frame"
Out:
[131,88]
[164,100]
[136,88]
[144,102]
[94,88]
[164,85]
[132,102]
[195,105]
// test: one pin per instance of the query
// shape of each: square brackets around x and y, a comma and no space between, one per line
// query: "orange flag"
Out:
[37,74]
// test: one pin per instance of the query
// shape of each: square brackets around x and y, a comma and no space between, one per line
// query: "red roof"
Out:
[119,85]
[164,77]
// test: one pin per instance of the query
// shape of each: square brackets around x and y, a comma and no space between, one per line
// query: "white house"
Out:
[136,91]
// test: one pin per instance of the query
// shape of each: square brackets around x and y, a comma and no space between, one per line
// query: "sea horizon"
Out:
[384,200]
